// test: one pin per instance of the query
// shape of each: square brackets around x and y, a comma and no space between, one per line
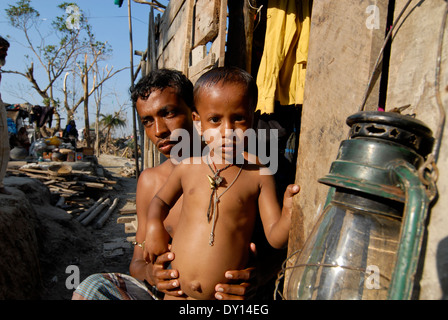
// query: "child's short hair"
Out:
[228,75]
[161,79]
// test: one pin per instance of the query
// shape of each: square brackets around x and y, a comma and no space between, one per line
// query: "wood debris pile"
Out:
[73,190]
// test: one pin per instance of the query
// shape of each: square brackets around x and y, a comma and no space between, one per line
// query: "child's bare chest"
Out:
[233,192]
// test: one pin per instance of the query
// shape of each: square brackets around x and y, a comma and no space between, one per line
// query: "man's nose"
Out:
[161,129]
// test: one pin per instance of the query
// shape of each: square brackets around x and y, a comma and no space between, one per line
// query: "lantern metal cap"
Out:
[392,126]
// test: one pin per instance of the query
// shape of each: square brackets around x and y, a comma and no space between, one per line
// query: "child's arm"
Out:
[276,221]
[157,238]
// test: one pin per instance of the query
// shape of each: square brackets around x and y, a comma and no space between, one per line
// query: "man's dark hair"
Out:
[161,79]
[229,75]
[3,43]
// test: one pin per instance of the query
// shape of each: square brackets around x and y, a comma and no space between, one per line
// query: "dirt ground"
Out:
[78,251]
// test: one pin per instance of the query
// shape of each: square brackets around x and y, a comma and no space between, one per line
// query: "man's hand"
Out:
[244,287]
[166,280]
[227,291]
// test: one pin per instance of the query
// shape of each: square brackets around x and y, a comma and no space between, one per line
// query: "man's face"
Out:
[162,113]
[3,54]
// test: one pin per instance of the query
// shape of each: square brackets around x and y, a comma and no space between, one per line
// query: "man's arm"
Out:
[155,274]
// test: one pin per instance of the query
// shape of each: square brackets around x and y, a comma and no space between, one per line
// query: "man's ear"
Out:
[197,122]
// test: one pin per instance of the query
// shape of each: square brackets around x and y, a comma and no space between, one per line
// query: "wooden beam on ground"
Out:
[87,212]
[95,212]
[126,219]
[105,216]
[128,211]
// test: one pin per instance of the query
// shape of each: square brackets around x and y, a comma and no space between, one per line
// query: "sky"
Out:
[110,23]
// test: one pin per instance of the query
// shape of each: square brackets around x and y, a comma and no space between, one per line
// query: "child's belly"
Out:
[201,266]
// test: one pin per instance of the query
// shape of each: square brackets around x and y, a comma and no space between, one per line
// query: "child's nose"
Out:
[227,128]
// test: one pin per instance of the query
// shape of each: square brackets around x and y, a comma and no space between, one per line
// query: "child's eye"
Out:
[214,119]
[239,118]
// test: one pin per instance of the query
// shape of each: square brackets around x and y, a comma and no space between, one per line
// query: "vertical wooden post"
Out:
[222,33]
[134,121]
[85,85]
[240,35]
[187,44]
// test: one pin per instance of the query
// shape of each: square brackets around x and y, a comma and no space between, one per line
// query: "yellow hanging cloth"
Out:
[281,75]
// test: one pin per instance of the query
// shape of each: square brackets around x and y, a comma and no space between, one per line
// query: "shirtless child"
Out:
[221,196]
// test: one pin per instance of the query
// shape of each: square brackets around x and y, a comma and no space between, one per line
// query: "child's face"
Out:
[224,114]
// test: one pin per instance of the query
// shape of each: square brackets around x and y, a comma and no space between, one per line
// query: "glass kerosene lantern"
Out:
[367,241]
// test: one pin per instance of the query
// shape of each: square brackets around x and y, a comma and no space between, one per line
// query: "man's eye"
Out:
[147,123]
[170,114]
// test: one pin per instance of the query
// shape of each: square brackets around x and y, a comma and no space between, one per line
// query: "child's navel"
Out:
[195,285]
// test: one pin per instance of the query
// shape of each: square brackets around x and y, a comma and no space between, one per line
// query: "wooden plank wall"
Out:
[411,81]
[341,56]
[192,36]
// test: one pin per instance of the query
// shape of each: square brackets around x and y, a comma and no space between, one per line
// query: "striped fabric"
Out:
[115,286]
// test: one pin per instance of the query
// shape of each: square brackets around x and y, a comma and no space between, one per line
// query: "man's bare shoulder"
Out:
[156,175]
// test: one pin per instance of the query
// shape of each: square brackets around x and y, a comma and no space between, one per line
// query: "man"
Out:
[164,102]
[4,140]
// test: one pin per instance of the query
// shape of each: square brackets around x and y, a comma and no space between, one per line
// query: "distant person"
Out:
[71,133]
[4,140]
[222,194]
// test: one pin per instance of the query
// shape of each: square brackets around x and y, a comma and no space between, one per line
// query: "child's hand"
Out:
[290,192]
[156,242]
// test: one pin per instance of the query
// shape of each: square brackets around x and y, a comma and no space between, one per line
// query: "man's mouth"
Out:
[165,145]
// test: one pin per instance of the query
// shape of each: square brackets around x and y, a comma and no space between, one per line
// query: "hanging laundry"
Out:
[281,75]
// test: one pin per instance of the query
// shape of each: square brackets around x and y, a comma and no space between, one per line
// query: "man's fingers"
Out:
[244,275]
[231,291]
[164,258]
[171,286]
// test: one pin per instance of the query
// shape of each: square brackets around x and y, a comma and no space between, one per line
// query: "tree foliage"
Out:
[111,122]
[71,48]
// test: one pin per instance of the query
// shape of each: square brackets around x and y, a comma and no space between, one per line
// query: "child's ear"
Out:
[197,122]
